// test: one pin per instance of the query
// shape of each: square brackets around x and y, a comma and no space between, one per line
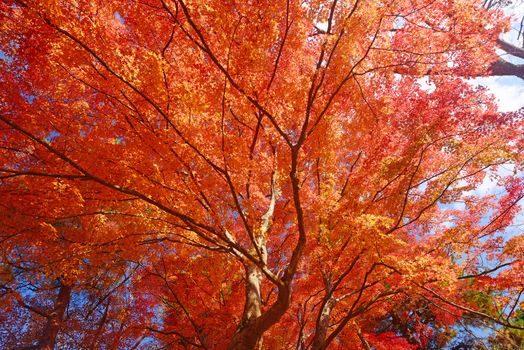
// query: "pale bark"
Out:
[254,321]
[249,336]
[253,304]
[319,341]
[252,310]
[363,340]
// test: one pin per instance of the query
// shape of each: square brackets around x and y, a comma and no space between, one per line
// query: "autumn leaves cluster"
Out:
[212,174]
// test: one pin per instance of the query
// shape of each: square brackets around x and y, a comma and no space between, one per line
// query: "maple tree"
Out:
[243,174]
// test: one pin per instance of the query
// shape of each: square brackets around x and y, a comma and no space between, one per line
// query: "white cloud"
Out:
[508,91]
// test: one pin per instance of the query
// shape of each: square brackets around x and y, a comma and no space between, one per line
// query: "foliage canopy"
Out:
[232,174]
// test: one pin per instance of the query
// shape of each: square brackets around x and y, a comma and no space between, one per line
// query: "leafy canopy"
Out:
[232,174]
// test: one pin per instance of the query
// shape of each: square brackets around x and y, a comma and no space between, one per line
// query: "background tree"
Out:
[240,175]
[505,66]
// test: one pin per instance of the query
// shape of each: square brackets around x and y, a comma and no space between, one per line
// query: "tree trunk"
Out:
[254,322]
[55,319]
[319,341]
[248,337]
[253,305]
[252,310]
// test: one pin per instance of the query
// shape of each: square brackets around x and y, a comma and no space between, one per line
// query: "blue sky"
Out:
[509,93]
